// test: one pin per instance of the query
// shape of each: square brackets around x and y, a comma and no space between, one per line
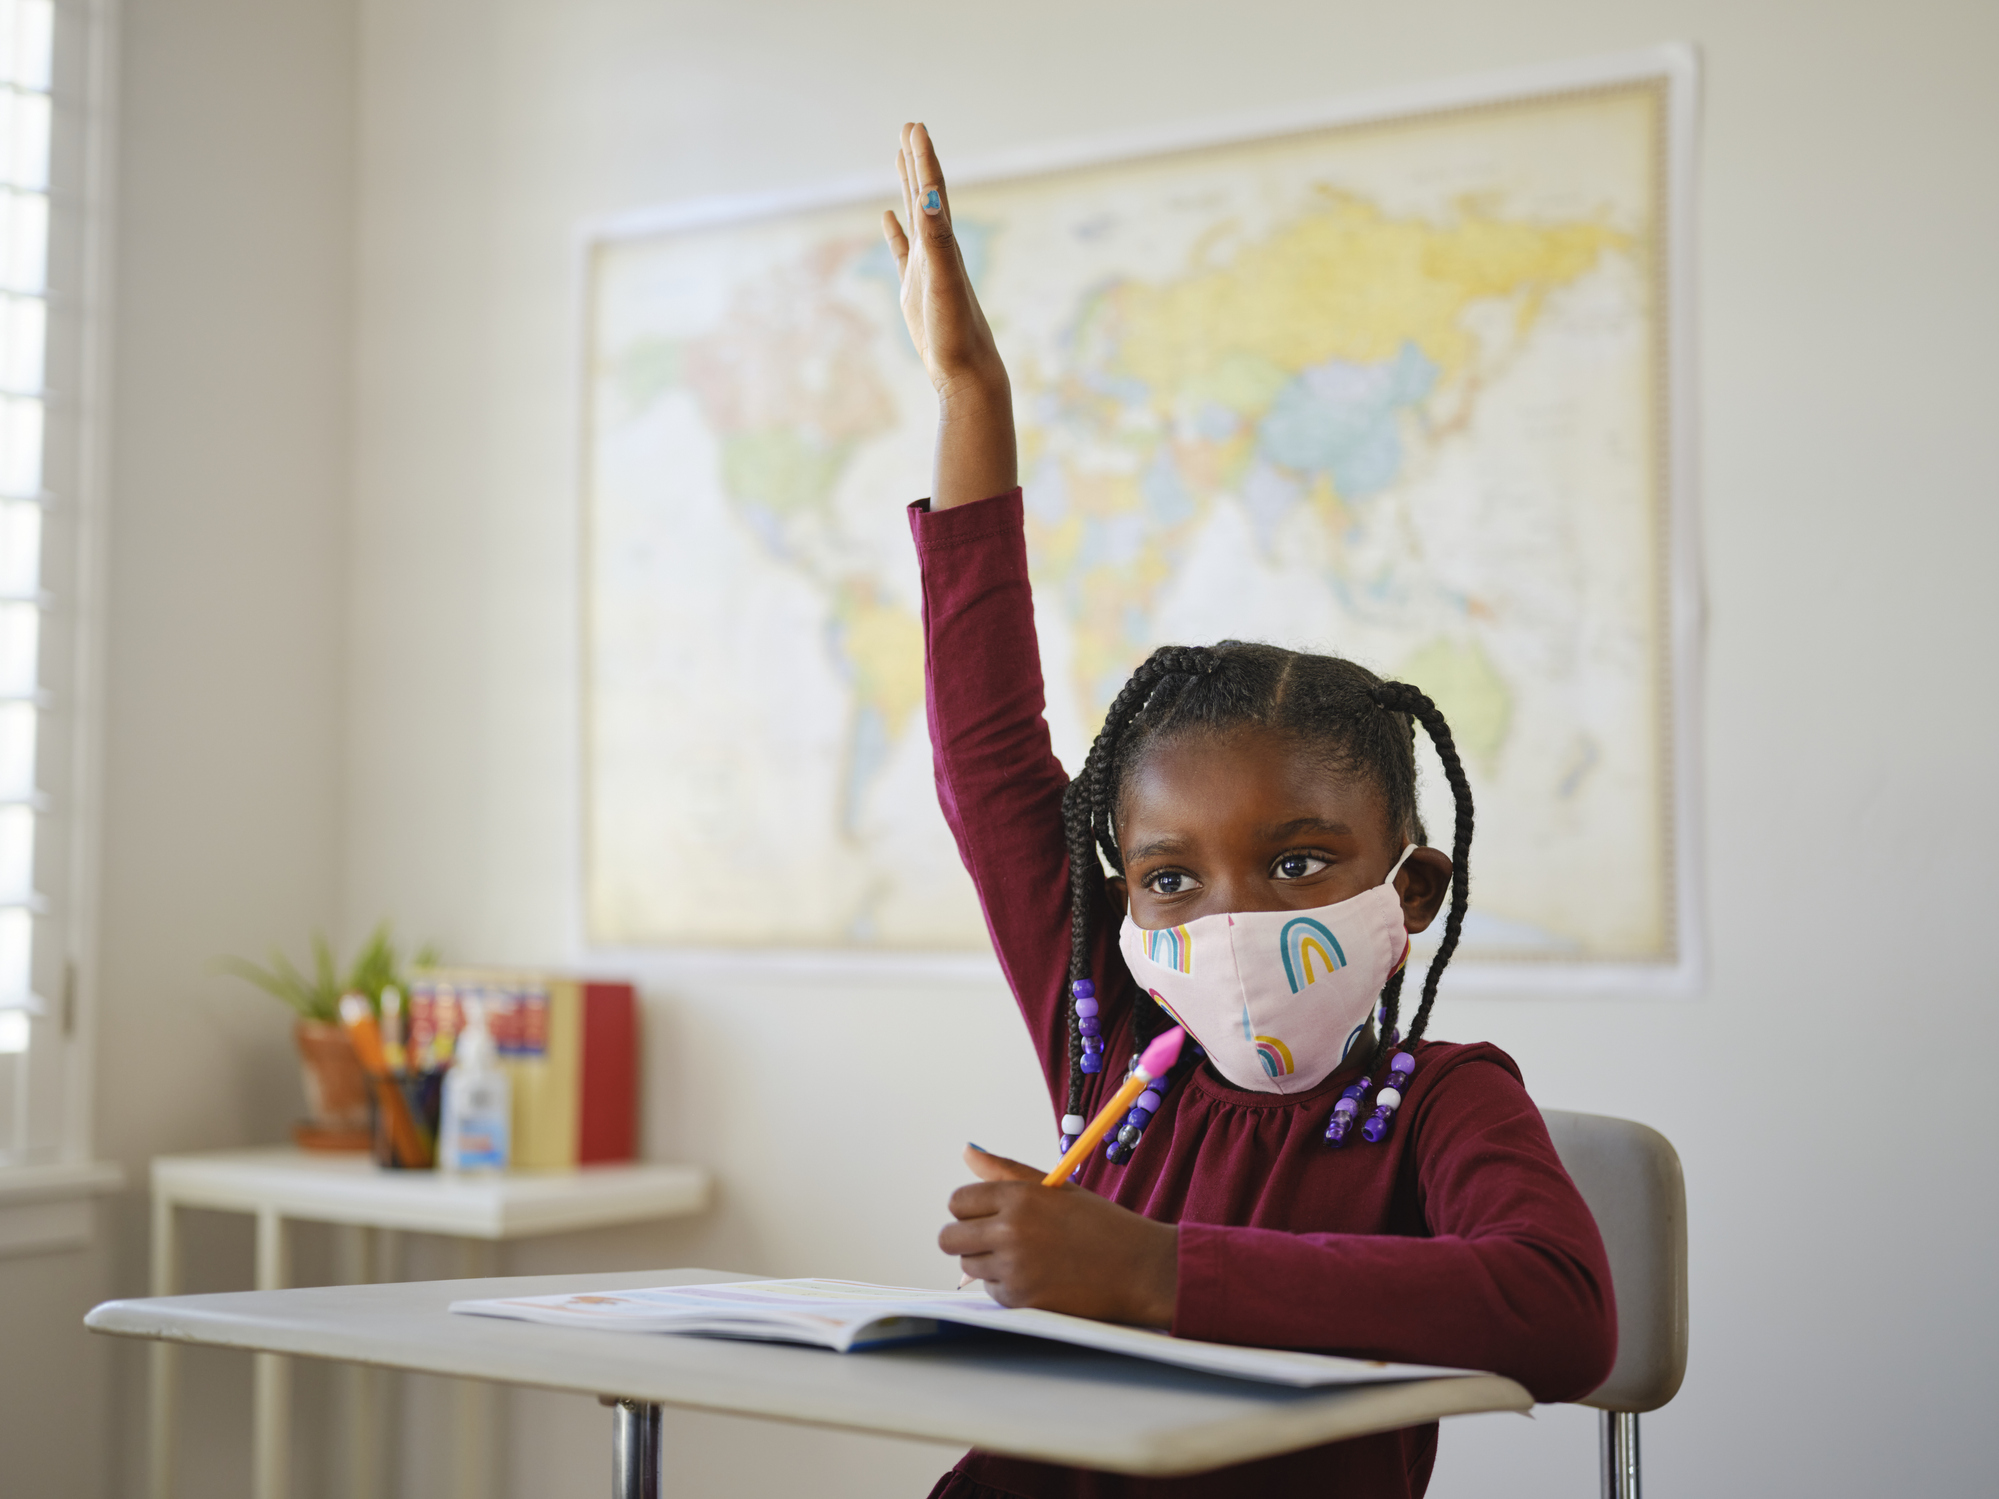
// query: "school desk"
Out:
[281,1183]
[1018,1396]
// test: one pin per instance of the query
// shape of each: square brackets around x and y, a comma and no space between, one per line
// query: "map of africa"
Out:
[1392,391]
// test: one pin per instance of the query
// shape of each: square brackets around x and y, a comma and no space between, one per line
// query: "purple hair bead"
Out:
[1403,1063]
[1336,1131]
[1376,1128]
[1086,1007]
[1088,1025]
[1347,1106]
[1093,1061]
[1083,989]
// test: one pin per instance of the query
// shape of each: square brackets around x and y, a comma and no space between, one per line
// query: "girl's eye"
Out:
[1169,882]
[1297,866]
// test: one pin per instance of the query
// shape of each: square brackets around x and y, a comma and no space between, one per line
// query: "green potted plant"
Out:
[336,1090]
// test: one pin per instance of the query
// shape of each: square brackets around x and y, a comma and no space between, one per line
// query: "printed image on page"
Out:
[849,1315]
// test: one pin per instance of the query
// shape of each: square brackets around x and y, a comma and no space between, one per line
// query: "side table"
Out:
[282,1183]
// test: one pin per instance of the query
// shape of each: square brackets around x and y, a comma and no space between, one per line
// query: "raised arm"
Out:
[998,780]
[975,456]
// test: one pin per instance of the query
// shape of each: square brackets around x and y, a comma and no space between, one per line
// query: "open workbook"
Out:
[847,1315]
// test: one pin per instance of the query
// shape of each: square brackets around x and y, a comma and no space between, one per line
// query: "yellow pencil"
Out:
[1157,1061]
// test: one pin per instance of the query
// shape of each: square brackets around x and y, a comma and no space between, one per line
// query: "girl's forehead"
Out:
[1259,775]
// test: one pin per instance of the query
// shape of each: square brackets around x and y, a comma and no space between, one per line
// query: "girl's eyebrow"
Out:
[1168,844]
[1278,831]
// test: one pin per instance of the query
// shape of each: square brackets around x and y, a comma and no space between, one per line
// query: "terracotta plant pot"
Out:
[336,1089]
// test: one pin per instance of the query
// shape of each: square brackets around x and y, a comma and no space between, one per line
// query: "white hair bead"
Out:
[1072,1124]
[1387,1098]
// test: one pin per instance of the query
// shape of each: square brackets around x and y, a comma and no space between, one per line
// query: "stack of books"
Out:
[569,1047]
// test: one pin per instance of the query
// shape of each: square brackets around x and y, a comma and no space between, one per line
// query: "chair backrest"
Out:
[1630,1177]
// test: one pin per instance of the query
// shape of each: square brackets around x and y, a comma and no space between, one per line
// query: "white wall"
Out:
[326,709]
[1840,1193]
[224,640]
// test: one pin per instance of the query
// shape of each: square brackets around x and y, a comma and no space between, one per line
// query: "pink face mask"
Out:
[1276,998]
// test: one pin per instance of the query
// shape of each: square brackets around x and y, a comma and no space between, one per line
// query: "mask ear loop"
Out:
[1401,859]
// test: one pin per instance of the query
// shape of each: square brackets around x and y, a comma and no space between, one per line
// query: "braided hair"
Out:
[1356,723]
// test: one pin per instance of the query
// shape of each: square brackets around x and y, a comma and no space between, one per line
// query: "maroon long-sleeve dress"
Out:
[1459,1240]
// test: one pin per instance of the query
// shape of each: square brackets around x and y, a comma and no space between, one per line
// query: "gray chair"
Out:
[1630,1177]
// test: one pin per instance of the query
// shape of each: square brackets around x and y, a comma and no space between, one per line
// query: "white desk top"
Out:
[1023,1397]
[332,1188]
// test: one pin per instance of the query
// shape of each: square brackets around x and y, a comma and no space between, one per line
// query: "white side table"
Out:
[282,1183]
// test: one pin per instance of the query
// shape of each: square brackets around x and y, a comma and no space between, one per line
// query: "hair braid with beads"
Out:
[1400,697]
[1087,808]
[1357,723]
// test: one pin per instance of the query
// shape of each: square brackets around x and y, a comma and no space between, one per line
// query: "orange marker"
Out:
[405,1137]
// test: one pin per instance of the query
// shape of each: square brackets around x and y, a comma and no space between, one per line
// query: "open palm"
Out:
[943,314]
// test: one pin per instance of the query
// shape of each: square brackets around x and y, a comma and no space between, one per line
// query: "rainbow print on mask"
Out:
[1160,1000]
[1275,1056]
[1304,944]
[1352,1036]
[1172,947]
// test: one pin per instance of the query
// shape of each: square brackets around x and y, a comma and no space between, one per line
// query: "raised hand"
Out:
[1062,1249]
[938,304]
[975,443]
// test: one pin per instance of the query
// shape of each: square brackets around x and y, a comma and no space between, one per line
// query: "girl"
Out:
[1300,1180]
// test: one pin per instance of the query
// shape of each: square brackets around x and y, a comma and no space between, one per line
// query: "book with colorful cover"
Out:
[850,1316]
[569,1047]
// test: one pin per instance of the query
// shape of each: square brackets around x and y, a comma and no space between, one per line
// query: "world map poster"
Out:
[1395,389]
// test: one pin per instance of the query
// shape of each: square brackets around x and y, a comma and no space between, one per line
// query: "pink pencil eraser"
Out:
[1160,1056]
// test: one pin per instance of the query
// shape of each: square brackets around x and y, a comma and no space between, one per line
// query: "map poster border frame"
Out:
[1676,68]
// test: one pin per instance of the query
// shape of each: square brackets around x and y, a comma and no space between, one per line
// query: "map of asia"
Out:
[1393,390]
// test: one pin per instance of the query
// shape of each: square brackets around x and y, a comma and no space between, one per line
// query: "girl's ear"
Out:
[1423,883]
[1120,893]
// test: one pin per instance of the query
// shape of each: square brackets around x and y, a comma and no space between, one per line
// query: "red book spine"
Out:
[608,1129]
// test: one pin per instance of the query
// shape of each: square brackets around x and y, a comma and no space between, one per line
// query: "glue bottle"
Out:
[476,1133]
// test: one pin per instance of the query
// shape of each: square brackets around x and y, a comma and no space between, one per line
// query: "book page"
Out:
[846,1314]
[834,1313]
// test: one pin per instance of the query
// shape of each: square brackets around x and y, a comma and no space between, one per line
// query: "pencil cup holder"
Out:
[422,1098]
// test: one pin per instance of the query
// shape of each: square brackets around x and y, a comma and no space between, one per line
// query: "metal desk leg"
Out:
[163,1356]
[1617,1446]
[270,1446]
[634,1449]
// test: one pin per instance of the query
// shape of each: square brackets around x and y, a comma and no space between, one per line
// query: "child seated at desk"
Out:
[1309,1176]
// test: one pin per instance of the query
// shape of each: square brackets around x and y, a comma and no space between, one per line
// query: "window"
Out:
[47,191]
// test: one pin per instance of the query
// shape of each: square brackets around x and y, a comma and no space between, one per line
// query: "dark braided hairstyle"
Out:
[1356,723]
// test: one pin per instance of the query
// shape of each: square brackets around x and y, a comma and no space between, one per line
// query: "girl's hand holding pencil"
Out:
[1063,1249]
[1042,1241]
